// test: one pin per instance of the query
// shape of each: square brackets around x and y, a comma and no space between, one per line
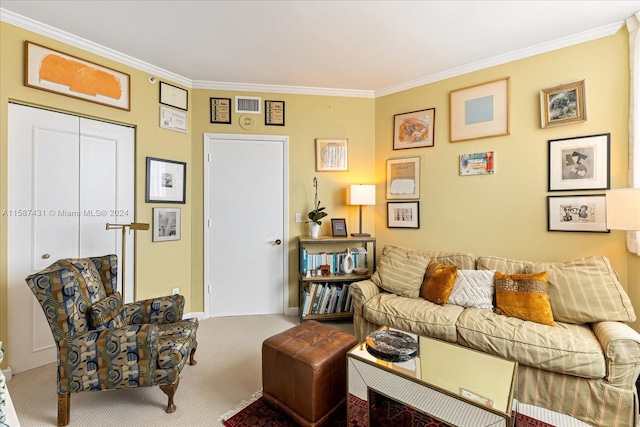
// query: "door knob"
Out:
[46,256]
[276,242]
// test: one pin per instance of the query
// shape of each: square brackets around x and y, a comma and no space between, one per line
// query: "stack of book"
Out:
[313,261]
[326,298]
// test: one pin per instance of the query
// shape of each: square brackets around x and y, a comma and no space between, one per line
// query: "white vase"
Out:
[348,263]
[314,230]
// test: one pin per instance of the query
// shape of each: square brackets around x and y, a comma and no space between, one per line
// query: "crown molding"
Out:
[583,37]
[56,34]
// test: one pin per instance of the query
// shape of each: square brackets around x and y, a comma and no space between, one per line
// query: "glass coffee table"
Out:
[446,383]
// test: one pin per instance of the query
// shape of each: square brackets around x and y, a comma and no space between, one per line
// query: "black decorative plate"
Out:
[392,346]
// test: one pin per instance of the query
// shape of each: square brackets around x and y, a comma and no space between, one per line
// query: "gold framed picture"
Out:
[331,155]
[480,111]
[563,105]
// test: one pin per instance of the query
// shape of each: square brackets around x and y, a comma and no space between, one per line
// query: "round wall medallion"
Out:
[247,121]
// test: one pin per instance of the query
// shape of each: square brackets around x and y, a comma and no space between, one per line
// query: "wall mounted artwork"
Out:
[577,213]
[57,72]
[563,105]
[480,111]
[477,163]
[331,155]
[414,130]
[403,178]
[579,163]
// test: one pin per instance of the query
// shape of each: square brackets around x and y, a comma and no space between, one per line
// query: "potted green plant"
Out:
[316,215]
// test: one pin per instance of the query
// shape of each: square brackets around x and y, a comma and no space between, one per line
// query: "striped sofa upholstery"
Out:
[145,343]
[585,366]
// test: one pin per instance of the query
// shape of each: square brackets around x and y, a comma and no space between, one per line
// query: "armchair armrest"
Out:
[165,309]
[621,348]
[108,359]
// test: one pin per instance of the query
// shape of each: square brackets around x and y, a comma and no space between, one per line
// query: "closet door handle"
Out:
[46,256]
[276,242]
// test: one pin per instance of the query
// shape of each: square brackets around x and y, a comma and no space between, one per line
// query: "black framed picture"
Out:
[338,227]
[577,213]
[579,163]
[166,181]
[220,110]
[274,113]
[403,214]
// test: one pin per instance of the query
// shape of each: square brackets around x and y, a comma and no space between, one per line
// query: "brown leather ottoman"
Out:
[304,371]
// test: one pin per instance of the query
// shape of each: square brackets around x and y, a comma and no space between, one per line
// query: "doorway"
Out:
[246,233]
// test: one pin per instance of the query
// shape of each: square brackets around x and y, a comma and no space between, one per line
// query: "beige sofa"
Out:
[585,365]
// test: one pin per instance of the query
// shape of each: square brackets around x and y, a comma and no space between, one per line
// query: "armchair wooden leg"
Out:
[64,406]
[170,390]
[192,360]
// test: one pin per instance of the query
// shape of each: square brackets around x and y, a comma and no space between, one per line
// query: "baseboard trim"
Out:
[197,314]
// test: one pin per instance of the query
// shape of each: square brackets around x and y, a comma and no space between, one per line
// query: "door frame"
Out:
[209,139]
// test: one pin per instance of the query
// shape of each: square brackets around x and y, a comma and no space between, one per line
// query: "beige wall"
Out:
[505,214]
[502,214]
[307,118]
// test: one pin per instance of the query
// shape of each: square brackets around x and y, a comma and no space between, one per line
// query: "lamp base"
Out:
[360,235]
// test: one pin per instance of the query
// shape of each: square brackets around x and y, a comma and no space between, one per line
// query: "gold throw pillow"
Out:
[438,282]
[525,296]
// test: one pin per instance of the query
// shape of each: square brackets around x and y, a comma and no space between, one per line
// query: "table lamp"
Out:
[361,194]
[623,209]
[133,226]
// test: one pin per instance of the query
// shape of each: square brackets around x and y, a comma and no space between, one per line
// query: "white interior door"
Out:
[68,177]
[245,231]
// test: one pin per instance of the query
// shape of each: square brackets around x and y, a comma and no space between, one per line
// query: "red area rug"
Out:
[260,414]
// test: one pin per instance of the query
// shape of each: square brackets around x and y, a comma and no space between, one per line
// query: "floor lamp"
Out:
[623,209]
[133,226]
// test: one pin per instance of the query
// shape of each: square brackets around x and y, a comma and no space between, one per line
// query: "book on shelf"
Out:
[326,298]
[306,302]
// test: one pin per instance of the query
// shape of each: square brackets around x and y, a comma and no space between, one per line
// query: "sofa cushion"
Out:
[473,289]
[413,315]
[525,296]
[566,348]
[505,265]
[586,290]
[438,282]
[400,271]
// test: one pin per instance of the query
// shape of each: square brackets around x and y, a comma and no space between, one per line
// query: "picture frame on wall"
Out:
[57,72]
[220,110]
[403,214]
[579,163]
[403,178]
[274,113]
[479,111]
[166,224]
[414,129]
[563,105]
[338,227]
[477,163]
[332,155]
[585,213]
[166,181]
[174,96]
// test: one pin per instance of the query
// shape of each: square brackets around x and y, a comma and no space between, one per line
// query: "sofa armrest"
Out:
[108,359]
[361,292]
[621,347]
[165,309]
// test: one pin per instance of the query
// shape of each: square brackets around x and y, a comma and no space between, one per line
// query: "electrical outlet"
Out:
[298,217]
[175,291]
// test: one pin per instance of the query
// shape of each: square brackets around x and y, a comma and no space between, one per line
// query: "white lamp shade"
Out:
[361,194]
[623,209]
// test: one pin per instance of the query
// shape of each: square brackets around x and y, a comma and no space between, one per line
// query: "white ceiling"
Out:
[377,47]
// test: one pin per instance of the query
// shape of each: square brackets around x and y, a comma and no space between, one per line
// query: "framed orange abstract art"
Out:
[57,72]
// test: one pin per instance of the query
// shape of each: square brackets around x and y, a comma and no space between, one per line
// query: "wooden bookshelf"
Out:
[310,251]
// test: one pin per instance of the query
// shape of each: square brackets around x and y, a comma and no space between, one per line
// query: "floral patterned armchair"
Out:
[104,344]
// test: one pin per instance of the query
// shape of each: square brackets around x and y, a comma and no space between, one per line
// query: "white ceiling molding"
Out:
[585,36]
[56,34]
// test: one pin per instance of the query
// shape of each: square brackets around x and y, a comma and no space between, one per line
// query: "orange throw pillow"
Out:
[525,296]
[438,282]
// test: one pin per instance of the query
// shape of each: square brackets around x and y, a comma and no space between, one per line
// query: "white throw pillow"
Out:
[473,289]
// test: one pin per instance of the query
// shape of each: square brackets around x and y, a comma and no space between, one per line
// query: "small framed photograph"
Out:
[274,113]
[577,213]
[173,119]
[563,105]
[166,181]
[403,214]
[579,163]
[480,111]
[477,163]
[57,72]
[166,224]
[174,96]
[414,129]
[403,178]
[338,227]
[331,155]
[220,110]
